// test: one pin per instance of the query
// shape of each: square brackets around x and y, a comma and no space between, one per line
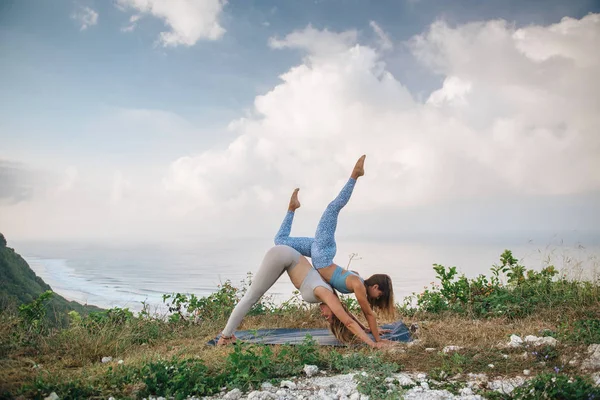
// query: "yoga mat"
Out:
[399,333]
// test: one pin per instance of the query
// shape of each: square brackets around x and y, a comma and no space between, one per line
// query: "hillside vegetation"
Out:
[116,353]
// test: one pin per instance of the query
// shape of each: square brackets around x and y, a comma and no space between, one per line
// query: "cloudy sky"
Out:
[155,119]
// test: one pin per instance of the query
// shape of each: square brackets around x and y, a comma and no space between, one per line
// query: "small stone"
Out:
[53,396]
[449,349]
[280,393]
[421,376]
[111,398]
[596,378]
[593,360]
[404,380]
[235,394]
[515,341]
[355,396]
[540,341]
[505,356]
[526,372]
[287,384]
[466,391]
[430,349]
[106,359]
[266,385]
[491,365]
[425,385]
[310,370]
[120,362]
[506,386]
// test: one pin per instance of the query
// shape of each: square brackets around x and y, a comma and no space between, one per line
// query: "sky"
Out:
[154,120]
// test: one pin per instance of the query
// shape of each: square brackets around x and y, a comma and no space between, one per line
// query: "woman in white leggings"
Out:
[306,279]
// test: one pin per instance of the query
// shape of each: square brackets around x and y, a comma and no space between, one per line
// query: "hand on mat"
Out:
[224,340]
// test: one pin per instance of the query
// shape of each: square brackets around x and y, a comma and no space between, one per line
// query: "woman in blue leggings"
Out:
[375,292]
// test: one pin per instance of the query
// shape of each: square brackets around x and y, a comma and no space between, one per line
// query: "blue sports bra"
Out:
[338,279]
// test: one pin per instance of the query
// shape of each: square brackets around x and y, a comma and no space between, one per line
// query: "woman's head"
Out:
[380,293]
[339,330]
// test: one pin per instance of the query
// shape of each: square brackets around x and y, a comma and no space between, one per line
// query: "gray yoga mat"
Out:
[399,333]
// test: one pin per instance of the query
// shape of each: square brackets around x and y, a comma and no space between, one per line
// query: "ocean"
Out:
[127,274]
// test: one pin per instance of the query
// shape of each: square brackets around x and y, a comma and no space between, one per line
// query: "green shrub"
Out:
[525,291]
[556,386]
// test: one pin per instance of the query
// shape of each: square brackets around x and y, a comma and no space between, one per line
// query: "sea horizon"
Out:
[124,275]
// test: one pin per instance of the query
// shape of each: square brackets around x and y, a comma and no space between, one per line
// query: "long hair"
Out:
[340,330]
[385,302]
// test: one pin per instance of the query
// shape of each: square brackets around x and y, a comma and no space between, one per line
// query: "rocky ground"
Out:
[317,385]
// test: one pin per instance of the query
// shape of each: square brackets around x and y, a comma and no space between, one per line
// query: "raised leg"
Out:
[324,247]
[301,244]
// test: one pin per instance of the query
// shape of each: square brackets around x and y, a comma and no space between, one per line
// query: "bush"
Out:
[525,291]
[556,386]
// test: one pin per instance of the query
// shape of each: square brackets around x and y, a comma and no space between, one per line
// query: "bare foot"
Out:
[359,168]
[294,202]
[225,340]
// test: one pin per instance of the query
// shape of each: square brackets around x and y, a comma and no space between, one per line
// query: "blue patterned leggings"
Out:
[322,248]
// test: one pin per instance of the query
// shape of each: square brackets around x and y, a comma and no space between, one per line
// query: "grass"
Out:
[168,356]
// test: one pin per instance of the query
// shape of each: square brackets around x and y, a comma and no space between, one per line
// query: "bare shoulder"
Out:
[355,284]
[325,295]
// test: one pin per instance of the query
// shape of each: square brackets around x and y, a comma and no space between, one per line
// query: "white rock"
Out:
[505,356]
[120,362]
[449,349]
[466,391]
[111,398]
[526,372]
[596,378]
[261,395]
[288,384]
[515,341]
[310,370]
[418,393]
[430,349]
[425,385]
[404,380]
[355,396]
[491,365]
[421,376]
[106,359]
[53,396]
[266,385]
[235,394]
[540,341]
[506,386]
[593,360]
[281,393]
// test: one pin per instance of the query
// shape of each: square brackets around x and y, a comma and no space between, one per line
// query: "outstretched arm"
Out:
[355,284]
[335,305]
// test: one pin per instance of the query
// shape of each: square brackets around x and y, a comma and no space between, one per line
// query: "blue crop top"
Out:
[338,279]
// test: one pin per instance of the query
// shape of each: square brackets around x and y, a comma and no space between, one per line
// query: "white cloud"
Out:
[385,43]
[67,181]
[119,189]
[316,42]
[509,120]
[132,23]
[85,17]
[189,20]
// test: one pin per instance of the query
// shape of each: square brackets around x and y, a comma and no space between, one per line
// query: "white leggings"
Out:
[277,260]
